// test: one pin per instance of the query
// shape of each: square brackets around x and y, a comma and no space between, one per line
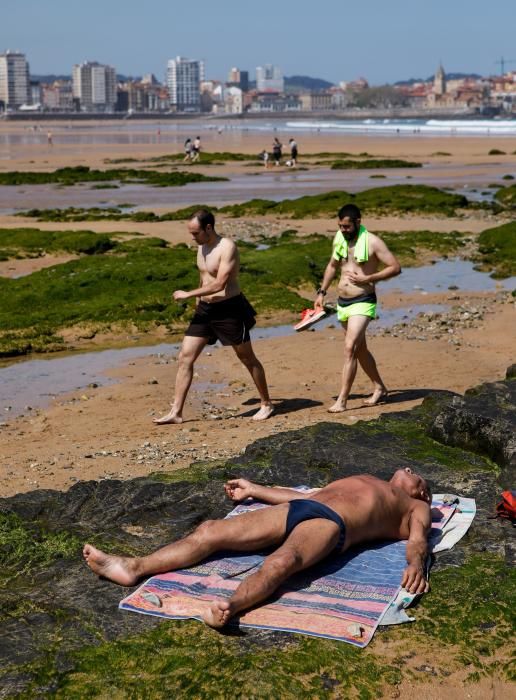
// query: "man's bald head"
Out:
[413,484]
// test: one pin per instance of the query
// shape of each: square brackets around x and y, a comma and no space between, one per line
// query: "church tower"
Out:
[440,81]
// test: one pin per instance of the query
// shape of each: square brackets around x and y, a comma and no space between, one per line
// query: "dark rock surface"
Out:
[50,609]
[482,421]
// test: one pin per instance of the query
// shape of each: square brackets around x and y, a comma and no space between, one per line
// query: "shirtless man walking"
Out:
[222,313]
[304,529]
[357,254]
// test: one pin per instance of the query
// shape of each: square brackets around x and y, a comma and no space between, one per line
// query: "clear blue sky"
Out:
[382,40]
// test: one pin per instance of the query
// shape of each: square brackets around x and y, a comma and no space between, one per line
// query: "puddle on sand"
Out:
[35,382]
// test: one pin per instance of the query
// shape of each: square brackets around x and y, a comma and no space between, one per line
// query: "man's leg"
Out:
[354,329]
[245,354]
[368,364]
[191,348]
[245,533]
[307,544]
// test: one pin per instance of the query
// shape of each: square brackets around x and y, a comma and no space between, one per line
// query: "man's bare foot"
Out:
[264,412]
[338,407]
[170,417]
[378,396]
[118,569]
[217,614]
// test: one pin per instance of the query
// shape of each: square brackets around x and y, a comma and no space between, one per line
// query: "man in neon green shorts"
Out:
[357,254]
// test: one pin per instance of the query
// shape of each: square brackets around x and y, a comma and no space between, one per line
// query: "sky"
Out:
[381,40]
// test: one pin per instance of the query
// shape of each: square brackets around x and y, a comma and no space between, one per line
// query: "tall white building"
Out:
[184,77]
[14,80]
[94,85]
[269,78]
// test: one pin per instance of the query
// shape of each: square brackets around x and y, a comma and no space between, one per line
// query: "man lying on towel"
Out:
[304,529]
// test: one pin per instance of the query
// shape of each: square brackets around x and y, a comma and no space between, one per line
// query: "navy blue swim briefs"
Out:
[306,509]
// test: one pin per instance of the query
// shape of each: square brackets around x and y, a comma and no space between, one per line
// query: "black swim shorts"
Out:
[306,509]
[229,321]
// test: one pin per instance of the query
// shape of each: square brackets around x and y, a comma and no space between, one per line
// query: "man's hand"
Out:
[180,295]
[414,580]
[319,303]
[357,277]
[238,489]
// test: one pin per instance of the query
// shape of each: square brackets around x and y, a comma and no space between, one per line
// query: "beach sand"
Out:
[53,447]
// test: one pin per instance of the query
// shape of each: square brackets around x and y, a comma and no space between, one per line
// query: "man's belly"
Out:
[349,291]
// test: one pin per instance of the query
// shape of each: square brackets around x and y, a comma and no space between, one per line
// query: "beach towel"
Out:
[345,597]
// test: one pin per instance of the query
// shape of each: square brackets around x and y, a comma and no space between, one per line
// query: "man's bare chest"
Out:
[208,264]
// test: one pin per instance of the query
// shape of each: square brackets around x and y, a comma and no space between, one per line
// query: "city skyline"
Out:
[384,43]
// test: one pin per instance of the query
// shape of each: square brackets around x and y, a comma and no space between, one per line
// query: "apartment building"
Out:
[184,76]
[15,87]
[94,87]
[269,78]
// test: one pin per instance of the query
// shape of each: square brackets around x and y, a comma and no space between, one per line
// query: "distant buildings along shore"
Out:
[94,88]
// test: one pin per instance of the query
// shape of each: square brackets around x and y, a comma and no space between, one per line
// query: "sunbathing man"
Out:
[222,313]
[357,254]
[305,529]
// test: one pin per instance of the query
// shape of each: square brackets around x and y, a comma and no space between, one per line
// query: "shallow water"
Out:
[443,275]
[35,382]
[266,185]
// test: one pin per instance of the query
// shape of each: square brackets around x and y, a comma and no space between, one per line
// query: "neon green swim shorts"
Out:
[359,308]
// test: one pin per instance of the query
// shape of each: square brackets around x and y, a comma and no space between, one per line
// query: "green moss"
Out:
[497,250]
[506,196]
[71,214]
[471,610]
[81,173]
[416,445]
[36,242]
[189,660]
[196,473]
[396,198]
[23,548]
[392,199]
[134,281]
[374,163]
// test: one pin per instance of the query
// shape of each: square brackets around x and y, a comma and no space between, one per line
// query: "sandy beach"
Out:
[108,431]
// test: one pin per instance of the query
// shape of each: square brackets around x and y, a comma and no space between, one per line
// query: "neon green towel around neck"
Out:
[340,246]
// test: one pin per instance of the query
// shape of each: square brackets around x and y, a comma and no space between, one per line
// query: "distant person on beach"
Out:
[357,255]
[265,157]
[222,313]
[188,150]
[196,149]
[276,151]
[303,529]
[293,153]
[50,138]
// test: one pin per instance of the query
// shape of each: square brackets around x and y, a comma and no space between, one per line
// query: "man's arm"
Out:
[240,489]
[414,579]
[227,265]
[331,270]
[391,265]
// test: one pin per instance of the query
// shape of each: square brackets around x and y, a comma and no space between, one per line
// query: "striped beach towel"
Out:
[344,597]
